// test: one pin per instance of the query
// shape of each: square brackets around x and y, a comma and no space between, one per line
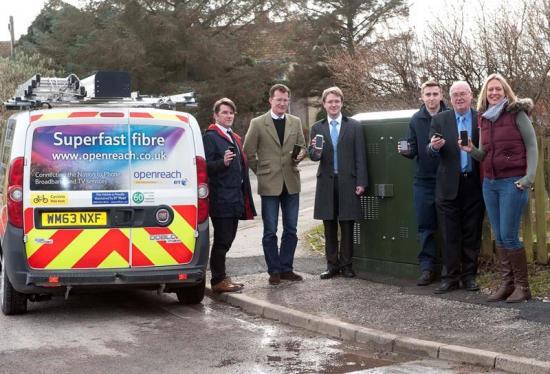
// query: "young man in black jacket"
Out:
[230,193]
[424,179]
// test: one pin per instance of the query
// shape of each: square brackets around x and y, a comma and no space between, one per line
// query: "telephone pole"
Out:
[12,32]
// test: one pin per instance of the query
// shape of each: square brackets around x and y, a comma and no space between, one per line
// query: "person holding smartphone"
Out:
[414,147]
[457,191]
[338,143]
[269,144]
[509,155]
[230,192]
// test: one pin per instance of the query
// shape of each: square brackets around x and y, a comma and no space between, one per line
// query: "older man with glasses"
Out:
[458,190]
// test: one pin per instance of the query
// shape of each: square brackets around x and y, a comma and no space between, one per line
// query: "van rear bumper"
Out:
[174,277]
[29,281]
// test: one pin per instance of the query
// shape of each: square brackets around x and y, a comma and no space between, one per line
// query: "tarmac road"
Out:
[142,332]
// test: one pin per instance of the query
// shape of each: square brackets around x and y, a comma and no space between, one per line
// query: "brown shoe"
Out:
[291,276]
[274,279]
[235,283]
[225,286]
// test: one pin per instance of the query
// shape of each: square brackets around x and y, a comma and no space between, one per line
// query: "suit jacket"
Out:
[230,192]
[271,162]
[449,169]
[352,170]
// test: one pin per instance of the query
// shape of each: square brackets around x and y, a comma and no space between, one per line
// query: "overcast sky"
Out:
[25,11]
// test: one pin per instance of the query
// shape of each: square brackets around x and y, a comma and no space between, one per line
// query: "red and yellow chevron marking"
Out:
[147,252]
[166,116]
[58,249]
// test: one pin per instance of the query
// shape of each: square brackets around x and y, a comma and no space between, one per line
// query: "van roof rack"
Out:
[106,88]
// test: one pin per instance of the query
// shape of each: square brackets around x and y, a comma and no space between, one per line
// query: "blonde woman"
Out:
[508,152]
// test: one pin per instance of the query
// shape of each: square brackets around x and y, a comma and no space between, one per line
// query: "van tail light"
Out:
[202,185]
[15,192]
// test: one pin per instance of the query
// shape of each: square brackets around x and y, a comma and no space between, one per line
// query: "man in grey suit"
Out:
[458,195]
[341,180]
[268,145]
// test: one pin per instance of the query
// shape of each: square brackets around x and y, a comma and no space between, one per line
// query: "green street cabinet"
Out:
[385,240]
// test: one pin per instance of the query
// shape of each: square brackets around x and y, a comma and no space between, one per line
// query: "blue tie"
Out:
[463,155]
[334,138]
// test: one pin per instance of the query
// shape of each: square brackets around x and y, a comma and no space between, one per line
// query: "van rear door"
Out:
[163,182]
[77,189]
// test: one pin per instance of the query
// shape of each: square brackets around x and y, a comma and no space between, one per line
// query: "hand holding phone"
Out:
[228,157]
[319,141]
[464,138]
[437,141]
[296,151]
[403,146]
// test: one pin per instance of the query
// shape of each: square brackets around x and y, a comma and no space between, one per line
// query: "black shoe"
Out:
[470,285]
[446,286]
[329,274]
[348,273]
[425,278]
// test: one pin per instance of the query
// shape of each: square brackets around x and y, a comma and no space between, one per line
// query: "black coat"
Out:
[418,138]
[230,192]
[352,170]
[448,172]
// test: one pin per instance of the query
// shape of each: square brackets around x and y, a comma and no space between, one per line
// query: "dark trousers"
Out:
[338,260]
[461,220]
[225,230]
[426,216]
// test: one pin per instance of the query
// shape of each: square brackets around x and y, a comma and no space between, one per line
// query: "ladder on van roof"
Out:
[108,88]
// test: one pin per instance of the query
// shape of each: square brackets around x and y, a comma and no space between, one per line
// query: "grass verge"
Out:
[488,278]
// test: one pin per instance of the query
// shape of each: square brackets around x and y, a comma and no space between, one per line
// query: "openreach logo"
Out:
[138,197]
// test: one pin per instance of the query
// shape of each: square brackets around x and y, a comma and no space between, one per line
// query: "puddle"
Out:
[315,354]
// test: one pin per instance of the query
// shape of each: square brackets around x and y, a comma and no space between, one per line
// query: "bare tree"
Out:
[380,76]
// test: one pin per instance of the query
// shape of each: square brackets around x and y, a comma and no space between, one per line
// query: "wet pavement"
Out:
[140,332]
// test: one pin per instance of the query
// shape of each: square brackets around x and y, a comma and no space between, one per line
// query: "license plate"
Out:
[57,219]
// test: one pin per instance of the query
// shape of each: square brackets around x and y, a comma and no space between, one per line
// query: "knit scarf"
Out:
[493,112]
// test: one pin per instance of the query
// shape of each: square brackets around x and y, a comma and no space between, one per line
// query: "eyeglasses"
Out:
[460,94]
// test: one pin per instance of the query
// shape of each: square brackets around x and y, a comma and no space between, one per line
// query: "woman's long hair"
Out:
[482,102]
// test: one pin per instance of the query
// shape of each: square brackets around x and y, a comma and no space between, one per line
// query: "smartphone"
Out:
[438,135]
[463,137]
[231,149]
[296,151]
[319,139]
[404,145]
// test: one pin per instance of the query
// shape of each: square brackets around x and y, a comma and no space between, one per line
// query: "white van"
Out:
[102,193]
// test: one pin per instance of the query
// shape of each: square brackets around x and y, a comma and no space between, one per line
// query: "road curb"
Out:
[379,339]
